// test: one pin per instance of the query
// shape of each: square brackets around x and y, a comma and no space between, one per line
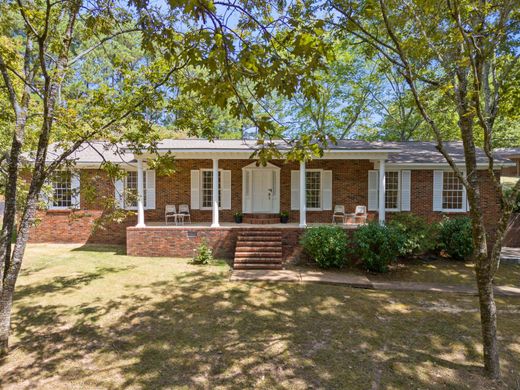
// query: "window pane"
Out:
[392,190]
[313,184]
[62,189]
[207,189]
[452,193]
[131,189]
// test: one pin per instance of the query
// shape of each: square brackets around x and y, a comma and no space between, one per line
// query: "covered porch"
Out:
[307,192]
[161,239]
[233,225]
[215,184]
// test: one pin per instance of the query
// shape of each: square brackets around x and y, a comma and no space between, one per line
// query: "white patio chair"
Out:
[184,212]
[170,211]
[360,215]
[339,212]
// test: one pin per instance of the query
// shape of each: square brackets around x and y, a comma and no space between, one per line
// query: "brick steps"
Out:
[261,219]
[258,249]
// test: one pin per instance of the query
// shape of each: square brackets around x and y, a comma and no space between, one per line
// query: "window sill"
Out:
[453,211]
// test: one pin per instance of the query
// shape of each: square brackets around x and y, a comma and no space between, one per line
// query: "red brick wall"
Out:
[350,188]
[183,242]
[512,171]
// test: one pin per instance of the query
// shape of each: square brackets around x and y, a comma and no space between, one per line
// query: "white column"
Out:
[140,194]
[214,209]
[382,190]
[303,196]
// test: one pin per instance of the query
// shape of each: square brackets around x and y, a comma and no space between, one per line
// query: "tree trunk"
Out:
[6,303]
[488,318]
[11,274]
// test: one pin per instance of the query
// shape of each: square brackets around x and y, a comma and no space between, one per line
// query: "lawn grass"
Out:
[447,271]
[435,270]
[93,318]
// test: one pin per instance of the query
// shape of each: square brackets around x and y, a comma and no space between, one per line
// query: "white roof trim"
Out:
[442,165]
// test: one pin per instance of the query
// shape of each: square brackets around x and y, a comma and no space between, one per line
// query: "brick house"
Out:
[387,178]
[512,154]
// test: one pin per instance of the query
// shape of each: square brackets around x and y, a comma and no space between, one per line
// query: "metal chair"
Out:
[360,215]
[184,211]
[339,212]
[170,211]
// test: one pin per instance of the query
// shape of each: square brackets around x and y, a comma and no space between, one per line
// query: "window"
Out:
[452,192]
[392,190]
[131,189]
[207,189]
[61,190]
[313,184]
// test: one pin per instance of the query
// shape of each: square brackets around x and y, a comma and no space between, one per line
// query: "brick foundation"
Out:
[183,241]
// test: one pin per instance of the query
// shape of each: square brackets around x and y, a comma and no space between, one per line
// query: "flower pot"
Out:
[238,218]
[284,218]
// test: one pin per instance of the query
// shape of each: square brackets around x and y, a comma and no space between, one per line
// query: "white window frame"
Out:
[51,205]
[463,209]
[399,200]
[201,189]
[321,189]
[125,189]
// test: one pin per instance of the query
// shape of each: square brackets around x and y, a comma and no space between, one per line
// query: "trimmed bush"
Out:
[377,246]
[456,238]
[418,236]
[326,245]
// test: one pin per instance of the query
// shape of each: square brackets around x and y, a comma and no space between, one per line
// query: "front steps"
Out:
[261,219]
[258,249]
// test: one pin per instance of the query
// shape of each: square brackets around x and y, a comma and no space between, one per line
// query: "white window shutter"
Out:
[295,190]
[326,181]
[373,190]
[195,189]
[406,189]
[225,182]
[119,185]
[150,189]
[437,190]
[75,190]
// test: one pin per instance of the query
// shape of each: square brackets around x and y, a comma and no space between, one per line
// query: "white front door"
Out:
[263,182]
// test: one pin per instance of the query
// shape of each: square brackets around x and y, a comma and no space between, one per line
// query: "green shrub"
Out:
[455,237]
[418,236]
[204,254]
[326,245]
[377,245]
[516,203]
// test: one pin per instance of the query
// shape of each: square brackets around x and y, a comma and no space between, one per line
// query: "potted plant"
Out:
[238,217]
[284,217]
